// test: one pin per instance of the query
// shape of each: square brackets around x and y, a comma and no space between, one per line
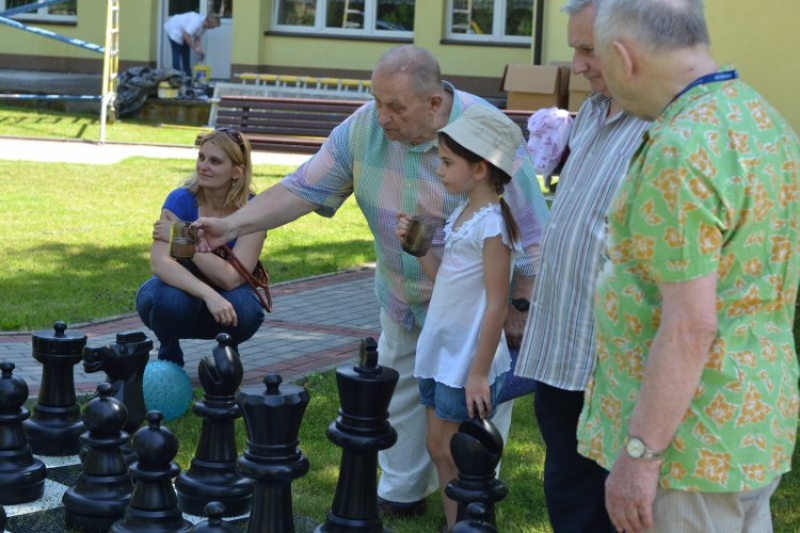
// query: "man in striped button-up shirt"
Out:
[558,346]
[386,154]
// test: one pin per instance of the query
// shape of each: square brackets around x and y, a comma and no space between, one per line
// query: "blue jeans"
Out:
[173,314]
[450,403]
[181,54]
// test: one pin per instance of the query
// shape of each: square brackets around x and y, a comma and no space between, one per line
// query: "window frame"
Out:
[369,28]
[498,21]
[42,14]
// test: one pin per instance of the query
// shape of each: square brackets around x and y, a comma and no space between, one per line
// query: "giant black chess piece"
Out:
[272,458]
[104,487]
[21,475]
[212,475]
[154,505]
[476,450]
[361,430]
[215,524]
[476,523]
[56,426]
[124,363]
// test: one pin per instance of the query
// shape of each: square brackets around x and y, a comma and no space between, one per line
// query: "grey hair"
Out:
[660,25]
[573,7]
[418,64]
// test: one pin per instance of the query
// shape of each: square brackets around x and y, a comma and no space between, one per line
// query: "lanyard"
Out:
[725,75]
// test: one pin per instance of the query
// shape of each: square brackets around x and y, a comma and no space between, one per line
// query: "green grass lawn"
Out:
[523,510]
[27,122]
[77,237]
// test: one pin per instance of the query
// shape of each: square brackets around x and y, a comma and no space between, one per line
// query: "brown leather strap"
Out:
[261,287]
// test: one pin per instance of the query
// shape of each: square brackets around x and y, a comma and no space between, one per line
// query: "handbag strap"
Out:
[263,287]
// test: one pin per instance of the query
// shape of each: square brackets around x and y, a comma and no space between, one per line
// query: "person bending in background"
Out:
[201,297]
[185,32]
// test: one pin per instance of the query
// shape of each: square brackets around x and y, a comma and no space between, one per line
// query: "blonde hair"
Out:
[237,148]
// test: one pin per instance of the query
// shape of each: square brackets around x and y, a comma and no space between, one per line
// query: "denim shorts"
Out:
[450,403]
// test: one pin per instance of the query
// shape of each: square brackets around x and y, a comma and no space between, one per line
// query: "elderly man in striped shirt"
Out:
[558,346]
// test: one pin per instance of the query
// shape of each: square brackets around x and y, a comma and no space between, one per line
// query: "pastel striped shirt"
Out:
[388,177]
[558,344]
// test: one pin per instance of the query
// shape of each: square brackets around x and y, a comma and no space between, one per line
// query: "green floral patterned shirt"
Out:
[712,188]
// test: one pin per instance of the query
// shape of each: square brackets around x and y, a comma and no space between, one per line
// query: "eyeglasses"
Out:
[235,135]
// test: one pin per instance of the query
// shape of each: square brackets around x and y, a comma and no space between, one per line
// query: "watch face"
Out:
[635,447]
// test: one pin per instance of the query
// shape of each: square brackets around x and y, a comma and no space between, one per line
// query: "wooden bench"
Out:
[297,125]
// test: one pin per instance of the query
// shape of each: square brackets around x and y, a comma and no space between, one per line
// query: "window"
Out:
[66,11]
[490,20]
[348,17]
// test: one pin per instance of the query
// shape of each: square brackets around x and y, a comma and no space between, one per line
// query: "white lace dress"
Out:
[446,346]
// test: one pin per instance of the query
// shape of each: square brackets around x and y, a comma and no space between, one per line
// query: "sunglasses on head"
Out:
[235,135]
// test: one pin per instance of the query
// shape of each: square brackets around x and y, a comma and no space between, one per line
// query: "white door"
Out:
[217,43]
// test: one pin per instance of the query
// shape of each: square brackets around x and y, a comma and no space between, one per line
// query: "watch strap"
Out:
[646,453]
[521,304]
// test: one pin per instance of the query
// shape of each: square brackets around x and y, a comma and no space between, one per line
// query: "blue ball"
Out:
[167,388]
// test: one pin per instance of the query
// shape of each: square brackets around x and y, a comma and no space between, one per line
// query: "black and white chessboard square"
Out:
[46,515]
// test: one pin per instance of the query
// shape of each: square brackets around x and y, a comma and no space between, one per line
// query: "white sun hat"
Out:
[487,132]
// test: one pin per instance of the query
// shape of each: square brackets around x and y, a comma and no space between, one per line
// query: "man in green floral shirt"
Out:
[693,405]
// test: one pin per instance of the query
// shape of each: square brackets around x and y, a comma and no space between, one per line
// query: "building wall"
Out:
[137,19]
[19,46]
[759,40]
[301,54]
[138,32]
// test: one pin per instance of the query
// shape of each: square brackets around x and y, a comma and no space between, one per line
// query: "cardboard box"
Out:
[532,87]
[579,90]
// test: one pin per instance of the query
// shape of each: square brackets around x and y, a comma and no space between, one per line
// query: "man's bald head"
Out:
[418,64]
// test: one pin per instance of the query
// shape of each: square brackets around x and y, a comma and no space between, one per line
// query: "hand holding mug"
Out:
[182,240]
[415,233]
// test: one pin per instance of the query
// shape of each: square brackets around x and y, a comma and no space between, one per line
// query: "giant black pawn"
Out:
[104,486]
[361,430]
[212,475]
[124,363]
[476,523]
[55,426]
[215,524]
[272,458]
[154,505]
[476,450]
[21,475]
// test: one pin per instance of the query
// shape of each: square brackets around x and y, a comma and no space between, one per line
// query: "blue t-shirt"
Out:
[183,203]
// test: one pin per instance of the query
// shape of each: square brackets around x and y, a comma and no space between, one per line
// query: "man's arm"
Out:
[516,319]
[672,374]
[272,208]
[524,197]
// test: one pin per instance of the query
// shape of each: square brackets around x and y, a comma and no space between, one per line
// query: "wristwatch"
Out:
[636,449]
[521,304]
